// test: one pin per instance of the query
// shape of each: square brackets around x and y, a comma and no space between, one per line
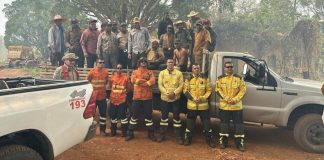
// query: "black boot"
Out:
[113,129]
[240,144]
[103,130]
[188,138]
[130,135]
[124,130]
[163,130]
[150,134]
[179,138]
[210,139]
[223,142]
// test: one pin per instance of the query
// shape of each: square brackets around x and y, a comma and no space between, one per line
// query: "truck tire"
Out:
[31,64]
[309,133]
[15,152]
[16,64]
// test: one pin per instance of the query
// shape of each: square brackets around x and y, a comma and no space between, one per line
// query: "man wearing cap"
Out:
[180,56]
[155,56]
[89,41]
[107,46]
[72,41]
[162,29]
[98,77]
[143,81]
[56,41]
[122,38]
[67,71]
[202,39]
[211,46]
[167,43]
[139,41]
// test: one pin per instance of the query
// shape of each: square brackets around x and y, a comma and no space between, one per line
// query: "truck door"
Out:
[263,95]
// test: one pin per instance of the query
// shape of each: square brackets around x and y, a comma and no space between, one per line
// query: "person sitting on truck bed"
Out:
[155,56]
[98,77]
[231,89]
[197,89]
[170,84]
[67,71]
[180,56]
[143,80]
[119,86]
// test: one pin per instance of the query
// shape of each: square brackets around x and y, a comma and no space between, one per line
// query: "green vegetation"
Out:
[34,72]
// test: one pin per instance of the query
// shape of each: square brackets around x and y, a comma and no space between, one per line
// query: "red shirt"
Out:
[89,39]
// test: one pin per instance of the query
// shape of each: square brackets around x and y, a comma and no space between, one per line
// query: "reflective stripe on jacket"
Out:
[197,87]
[230,87]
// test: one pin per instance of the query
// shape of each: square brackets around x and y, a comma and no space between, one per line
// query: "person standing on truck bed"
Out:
[56,41]
[119,86]
[170,84]
[89,39]
[202,39]
[72,41]
[143,80]
[162,28]
[139,42]
[122,38]
[183,35]
[98,77]
[67,71]
[167,42]
[197,89]
[107,46]
[213,36]
[231,89]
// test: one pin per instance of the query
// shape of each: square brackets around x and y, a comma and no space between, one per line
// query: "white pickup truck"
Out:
[41,118]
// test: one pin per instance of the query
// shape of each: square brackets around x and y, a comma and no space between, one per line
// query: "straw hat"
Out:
[136,19]
[58,17]
[178,22]
[69,56]
[192,13]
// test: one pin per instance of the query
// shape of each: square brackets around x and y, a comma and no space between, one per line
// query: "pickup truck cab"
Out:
[41,118]
[282,101]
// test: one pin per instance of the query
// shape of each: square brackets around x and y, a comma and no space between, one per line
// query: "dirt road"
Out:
[267,142]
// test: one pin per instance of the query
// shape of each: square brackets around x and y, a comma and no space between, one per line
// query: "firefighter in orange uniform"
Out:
[98,77]
[119,86]
[143,81]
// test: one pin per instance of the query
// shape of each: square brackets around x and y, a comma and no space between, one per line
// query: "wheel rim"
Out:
[315,134]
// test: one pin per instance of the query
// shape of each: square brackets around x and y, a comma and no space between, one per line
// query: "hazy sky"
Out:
[3,20]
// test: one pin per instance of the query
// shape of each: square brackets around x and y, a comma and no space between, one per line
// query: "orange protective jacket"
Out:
[99,79]
[119,86]
[143,80]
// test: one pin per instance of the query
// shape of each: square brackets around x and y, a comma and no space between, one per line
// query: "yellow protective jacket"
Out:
[197,87]
[170,81]
[230,87]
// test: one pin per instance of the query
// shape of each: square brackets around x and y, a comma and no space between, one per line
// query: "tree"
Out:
[29,21]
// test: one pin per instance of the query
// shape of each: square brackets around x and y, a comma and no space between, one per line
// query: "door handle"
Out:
[290,93]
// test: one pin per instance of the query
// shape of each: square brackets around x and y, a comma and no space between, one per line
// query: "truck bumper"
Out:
[92,131]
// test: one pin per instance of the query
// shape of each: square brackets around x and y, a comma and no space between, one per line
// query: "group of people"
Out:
[117,45]
[144,57]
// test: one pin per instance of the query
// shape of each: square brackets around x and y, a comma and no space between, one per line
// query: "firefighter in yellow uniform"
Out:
[170,85]
[231,89]
[197,89]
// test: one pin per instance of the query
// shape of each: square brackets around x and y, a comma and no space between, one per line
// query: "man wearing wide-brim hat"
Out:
[193,15]
[67,71]
[56,40]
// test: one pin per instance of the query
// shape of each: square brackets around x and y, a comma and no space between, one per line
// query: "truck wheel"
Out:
[16,64]
[14,152]
[31,64]
[309,133]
